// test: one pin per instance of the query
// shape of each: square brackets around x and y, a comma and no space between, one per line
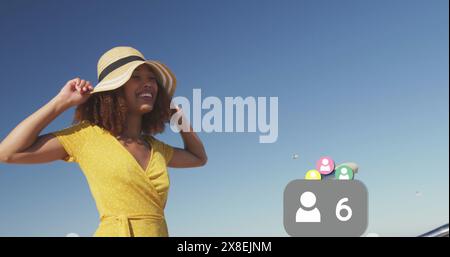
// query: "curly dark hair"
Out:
[109,110]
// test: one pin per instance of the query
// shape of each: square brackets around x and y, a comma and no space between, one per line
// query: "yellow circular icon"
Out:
[313,175]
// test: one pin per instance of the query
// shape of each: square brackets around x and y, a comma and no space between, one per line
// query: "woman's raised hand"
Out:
[75,92]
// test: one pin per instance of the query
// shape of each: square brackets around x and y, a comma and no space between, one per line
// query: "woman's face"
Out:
[141,90]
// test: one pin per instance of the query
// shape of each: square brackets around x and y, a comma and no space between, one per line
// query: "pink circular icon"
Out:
[325,165]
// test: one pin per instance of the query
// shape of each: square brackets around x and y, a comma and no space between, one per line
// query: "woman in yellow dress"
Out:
[112,141]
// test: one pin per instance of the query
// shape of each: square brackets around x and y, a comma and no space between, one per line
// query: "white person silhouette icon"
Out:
[307,212]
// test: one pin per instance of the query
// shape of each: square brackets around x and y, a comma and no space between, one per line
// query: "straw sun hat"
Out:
[115,67]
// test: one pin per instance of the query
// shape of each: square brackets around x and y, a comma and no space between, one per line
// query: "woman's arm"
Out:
[193,154]
[24,145]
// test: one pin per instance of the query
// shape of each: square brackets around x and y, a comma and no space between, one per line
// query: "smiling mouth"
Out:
[145,95]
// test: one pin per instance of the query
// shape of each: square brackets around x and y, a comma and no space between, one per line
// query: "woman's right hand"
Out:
[75,92]
[24,145]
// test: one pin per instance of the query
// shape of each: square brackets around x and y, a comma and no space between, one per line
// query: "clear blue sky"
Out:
[362,81]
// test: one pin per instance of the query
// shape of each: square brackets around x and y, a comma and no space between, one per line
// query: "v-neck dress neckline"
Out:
[131,156]
[130,199]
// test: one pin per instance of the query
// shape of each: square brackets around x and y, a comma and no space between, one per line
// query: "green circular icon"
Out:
[344,172]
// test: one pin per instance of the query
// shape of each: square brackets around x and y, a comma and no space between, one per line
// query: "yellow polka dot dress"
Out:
[130,200]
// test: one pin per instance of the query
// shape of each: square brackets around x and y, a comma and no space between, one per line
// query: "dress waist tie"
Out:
[124,220]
